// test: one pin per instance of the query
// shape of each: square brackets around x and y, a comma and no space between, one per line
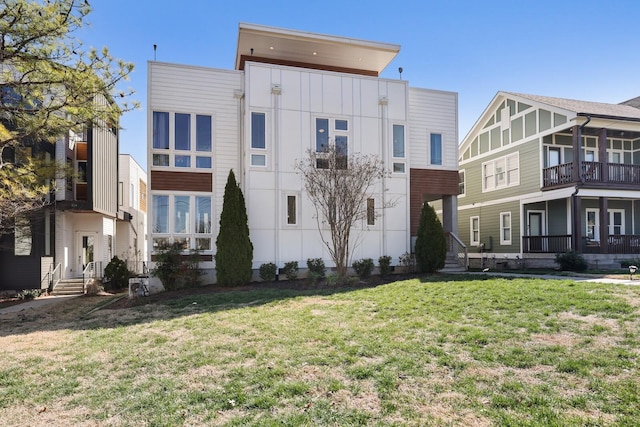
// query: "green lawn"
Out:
[441,351]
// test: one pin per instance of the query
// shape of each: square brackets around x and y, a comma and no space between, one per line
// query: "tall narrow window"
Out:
[160,214]
[322,135]
[203,214]
[505,228]
[461,183]
[120,193]
[181,214]
[132,196]
[398,141]
[342,151]
[474,225]
[436,149]
[203,133]
[258,130]
[291,210]
[371,212]
[183,131]
[160,130]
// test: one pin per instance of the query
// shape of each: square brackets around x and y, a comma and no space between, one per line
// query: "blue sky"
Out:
[585,50]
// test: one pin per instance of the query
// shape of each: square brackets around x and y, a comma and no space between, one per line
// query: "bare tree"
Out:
[339,187]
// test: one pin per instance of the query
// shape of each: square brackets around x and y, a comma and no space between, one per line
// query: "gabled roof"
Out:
[627,111]
[312,50]
[621,111]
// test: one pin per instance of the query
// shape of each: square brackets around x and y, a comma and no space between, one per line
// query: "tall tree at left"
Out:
[50,85]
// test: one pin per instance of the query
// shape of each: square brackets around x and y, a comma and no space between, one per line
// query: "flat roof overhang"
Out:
[260,43]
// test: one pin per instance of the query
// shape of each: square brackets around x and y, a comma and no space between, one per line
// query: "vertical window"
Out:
[203,133]
[474,225]
[398,141]
[160,130]
[22,237]
[120,193]
[160,214]
[322,135]
[342,151]
[371,212]
[203,214]
[132,196]
[258,130]
[489,178]
[181,214]
[183,131]
[500,172]
[505,228]
[461,183]
[436,149]
[593,224]
[616,221]
[291,210]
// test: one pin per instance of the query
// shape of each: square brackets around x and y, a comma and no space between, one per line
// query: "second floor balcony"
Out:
[594,174]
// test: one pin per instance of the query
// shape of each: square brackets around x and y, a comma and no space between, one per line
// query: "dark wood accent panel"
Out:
[428,185]
[310,65]
[182,181]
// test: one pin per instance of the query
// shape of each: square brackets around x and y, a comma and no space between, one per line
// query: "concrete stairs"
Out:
[68,287]
[451,264]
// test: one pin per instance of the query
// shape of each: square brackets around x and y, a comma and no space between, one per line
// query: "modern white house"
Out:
[131,227]
[290,92]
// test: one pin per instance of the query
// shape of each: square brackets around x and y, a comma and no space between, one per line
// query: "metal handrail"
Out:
[52,278]
[55,277]
[460,249]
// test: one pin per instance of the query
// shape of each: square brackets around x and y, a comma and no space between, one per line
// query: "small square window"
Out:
[183,161]
[342,125]
[258,160]
[203,244]
[203,162]
[160,160]
[398,168]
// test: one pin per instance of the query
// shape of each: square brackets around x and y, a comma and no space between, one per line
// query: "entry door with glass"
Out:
[86,245]
[535,226]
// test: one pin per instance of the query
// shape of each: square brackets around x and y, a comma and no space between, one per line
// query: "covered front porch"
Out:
[588,224]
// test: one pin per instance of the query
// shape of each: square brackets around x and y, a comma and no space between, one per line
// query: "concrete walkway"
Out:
[36,303]
[628,281]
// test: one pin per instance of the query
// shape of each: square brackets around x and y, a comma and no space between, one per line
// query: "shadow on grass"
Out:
[91,313]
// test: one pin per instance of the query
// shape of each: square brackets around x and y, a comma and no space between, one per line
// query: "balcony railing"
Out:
[591,172]
[617,244]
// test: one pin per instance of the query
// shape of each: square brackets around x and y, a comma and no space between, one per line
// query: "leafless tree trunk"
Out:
[339,186]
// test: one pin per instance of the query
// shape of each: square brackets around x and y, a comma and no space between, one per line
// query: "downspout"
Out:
[276,90]
[383,101]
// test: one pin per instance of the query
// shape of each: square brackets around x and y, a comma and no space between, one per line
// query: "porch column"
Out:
[576,223]
[602,154]
[577,154]
[604,225]
[449,214]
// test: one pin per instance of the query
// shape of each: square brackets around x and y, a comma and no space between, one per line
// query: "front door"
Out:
[535,230]
[86,242]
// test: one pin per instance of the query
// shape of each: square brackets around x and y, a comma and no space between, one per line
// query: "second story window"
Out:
[435,140]
[175,144]
[398,148]
[336,132]
[258,139]
[160,130]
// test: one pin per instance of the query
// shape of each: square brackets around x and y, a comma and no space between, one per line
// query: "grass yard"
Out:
[454,350]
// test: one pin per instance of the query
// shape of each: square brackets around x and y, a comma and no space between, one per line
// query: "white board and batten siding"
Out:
[305,95]
[433,111]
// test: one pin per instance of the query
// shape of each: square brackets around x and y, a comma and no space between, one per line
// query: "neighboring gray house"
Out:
[542,175]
